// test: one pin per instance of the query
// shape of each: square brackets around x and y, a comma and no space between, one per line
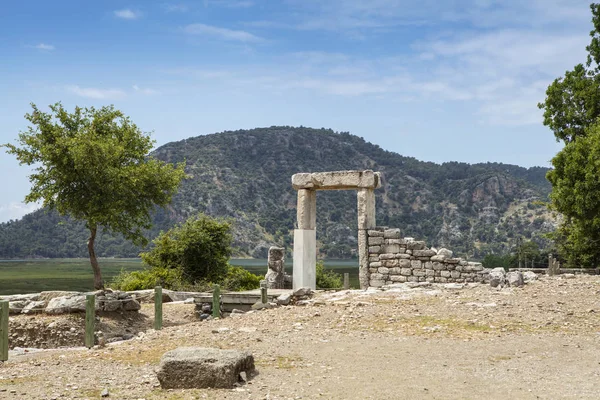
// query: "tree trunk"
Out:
[98,282]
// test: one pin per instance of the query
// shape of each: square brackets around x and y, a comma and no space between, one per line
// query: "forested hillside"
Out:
[245,175]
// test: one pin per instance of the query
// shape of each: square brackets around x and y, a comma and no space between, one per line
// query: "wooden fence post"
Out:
[158,314]
[346,280]
[90,320]
[216,305]
[263,292]
[3,330]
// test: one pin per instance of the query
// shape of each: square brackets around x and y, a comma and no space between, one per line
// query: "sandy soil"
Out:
[538,342]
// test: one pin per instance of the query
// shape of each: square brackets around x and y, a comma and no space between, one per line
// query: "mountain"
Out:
[246,175]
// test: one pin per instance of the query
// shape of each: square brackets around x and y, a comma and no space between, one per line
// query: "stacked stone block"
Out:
[393,259]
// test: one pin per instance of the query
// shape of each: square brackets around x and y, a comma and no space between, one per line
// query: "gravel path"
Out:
[538,342]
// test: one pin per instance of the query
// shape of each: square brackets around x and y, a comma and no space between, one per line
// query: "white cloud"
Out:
[145,91]
[44,47]
[222,33]
[127,14]
[229,3]
[97,93]
[16,210]
[176,7]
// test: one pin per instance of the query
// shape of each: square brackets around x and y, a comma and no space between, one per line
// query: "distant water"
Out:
[31,276]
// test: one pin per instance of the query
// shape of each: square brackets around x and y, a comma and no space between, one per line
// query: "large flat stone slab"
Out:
[337,180]
[200,367]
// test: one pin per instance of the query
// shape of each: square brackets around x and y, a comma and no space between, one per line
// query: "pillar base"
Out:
[305,258]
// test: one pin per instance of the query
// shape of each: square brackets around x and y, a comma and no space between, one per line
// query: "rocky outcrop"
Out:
[57,302]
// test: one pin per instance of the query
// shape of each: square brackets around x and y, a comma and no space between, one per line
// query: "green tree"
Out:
[571,111]
[327,279]
[496,261]
[573,102]
[93,164]
[201,247]
[576,194]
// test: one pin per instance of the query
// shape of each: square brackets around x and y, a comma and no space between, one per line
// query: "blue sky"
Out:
[436,80]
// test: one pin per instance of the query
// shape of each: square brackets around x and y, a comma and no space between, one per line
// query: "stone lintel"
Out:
[337,180]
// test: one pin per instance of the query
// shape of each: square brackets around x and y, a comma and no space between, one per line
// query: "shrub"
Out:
[238,279]
[168,278]
[200,247]
[327,279]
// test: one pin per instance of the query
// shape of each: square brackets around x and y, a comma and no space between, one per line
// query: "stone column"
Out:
[366,221]
[305,241]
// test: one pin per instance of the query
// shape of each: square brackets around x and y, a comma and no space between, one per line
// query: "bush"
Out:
[168,278]
[238,279]
[200,247]
[327,279]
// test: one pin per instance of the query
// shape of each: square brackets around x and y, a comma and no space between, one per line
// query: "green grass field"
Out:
[31,276]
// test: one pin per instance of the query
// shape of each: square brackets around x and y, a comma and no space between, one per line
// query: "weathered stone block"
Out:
[398,278]
[455,274]
[387,256]
[376,264]
[406,271]
[438,266]
[383,270]
[438,258]
[377,276]
[373,270]
[377,283]
[418,272]
[307,209]
[429,272]
[423,253]
[197,367]
[337,180]
[376,241]
[403,256]
[445,252]
[373,258]
[390,263]
[400,242]
[374,249]
[412,279]
[366,208]
[452,260]
[404,263]
[391,248]
[445,274]
[417,245]
[428,265]
[395,271]
[374,233]
[392,234]
[416,264]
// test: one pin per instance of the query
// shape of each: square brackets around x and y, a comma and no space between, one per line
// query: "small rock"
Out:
[568,276]
[300,292]
[284,299]
[104,393]
[515,279]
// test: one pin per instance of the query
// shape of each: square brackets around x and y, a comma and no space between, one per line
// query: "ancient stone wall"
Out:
[393,259]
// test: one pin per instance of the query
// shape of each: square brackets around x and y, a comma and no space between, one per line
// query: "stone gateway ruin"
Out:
[384,257]
[305,236]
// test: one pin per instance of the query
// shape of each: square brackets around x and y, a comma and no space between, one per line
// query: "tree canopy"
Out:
[93,165]
[571,110]
[573,102]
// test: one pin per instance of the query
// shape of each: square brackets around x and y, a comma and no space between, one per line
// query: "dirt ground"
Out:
[537,342]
